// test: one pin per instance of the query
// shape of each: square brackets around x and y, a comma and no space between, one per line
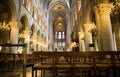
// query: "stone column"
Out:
[14,35]
[35,41]
[27,39]
[104,10]
[98,28]
[88,37]
[116,35]
[81,41]
[93,30]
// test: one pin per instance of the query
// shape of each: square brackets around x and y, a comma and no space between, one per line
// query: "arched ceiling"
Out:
[58,13]
[5,13]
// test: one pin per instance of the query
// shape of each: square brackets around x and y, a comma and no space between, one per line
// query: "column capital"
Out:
[89,27]
[92,28]
[26,32]
[103,8]
[81,35]
[86,27]
[96,11]
[14,24]
[33,39]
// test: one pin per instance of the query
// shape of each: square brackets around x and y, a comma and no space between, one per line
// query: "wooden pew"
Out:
[92,61]
[10,61]
[51,61]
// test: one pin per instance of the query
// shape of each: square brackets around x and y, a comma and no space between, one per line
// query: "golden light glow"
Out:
[4,26]
[0,48]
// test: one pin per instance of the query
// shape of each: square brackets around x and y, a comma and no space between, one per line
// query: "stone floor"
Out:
[19,73]
[15,73]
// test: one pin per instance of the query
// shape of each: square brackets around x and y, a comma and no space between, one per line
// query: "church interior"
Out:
[59,38]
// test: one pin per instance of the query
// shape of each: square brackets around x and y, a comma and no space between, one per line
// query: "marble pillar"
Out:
[98,28]
[14,35]
[104,10]
[27,39]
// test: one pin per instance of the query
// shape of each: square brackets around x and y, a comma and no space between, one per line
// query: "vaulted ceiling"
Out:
[58,13]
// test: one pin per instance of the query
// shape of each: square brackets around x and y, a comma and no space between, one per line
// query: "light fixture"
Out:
[21,36]
[0,48]
[116,7]
[4,27]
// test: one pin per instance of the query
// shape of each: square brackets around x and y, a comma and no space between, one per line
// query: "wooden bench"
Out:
[11,61]
[75,61]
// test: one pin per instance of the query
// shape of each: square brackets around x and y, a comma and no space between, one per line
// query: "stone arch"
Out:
[8,11]
[11,5]
[7,14]
[51,7]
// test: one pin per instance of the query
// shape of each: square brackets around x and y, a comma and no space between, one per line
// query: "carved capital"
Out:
[89,27]
[92,28]
[4,27]
[86,27]
[96,10]
[26,32]
[13,24]
[81,35]
[103,8]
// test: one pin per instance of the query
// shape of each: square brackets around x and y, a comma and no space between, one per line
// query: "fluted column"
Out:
[14,35]
[81,41]
[104,10]
[88,37]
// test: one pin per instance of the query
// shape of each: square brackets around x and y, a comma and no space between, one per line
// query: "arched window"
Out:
[60,35]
